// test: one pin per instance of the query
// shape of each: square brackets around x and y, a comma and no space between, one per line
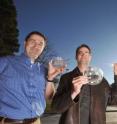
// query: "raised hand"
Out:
[54,71]
[78,82]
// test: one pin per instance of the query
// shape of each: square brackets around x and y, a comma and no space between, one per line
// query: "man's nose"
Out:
[83,54]
[36,45]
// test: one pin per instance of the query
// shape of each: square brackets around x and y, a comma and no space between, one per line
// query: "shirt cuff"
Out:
[76,99]
[115,79]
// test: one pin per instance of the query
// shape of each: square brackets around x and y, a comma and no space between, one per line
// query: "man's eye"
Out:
[87,52]
[40,44]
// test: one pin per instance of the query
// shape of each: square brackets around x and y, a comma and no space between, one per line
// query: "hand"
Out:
[54,71]
[78,82]
[115,68]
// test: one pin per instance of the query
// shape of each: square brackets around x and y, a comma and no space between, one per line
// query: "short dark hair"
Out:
[37,33]
[82,45]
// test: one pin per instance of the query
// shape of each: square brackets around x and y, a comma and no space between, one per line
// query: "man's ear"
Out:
[24,44]
[45,46]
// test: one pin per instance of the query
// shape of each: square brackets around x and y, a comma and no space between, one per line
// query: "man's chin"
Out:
[84,63]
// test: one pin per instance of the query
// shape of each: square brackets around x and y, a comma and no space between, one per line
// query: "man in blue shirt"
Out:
[23,84]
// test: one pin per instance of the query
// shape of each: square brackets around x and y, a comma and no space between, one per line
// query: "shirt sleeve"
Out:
[114,91]
[3,64]
[62,99]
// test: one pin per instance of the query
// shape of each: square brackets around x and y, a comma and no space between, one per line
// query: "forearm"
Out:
[50,87]
[50,90]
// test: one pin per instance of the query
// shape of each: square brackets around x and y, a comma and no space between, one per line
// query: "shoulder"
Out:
[4,62]
[67,74]
[104,83]
[5,58]
[65,82]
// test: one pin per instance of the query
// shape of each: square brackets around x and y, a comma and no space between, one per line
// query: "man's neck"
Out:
[32,60]
[82,68]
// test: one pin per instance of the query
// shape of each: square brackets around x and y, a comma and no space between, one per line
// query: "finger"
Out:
[78,81]
[83,77]
[75,78]
[80,78]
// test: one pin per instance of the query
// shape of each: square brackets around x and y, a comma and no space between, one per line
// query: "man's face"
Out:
[83,56]
[34,46]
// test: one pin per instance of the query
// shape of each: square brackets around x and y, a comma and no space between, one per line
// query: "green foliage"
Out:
[48,107]
[8,28]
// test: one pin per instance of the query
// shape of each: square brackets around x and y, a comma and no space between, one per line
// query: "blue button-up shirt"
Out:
[22,87]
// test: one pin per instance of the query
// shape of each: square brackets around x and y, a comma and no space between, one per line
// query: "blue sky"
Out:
[69,23]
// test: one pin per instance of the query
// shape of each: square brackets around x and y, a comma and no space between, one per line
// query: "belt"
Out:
[24,121]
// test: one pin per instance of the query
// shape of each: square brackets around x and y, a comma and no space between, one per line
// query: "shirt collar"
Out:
[25,59]
[77,71]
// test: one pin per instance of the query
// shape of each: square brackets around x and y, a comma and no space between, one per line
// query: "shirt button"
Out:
[31,94]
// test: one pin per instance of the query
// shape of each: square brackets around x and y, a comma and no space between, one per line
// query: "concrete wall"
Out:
[111,115]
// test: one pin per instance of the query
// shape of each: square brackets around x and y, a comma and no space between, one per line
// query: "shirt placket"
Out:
[37,107]
[31,88]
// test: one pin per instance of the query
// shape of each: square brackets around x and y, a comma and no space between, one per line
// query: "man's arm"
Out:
[77,83]
[114,87]
[62,98]
[50,90]
[52,73]
[68,92]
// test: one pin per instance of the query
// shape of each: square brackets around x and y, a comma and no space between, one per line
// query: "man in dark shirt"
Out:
[79,102]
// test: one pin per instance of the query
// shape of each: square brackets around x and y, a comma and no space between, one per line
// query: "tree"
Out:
[8,28]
